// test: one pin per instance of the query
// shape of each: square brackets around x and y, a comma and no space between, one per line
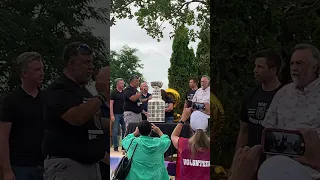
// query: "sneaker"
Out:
[116,149]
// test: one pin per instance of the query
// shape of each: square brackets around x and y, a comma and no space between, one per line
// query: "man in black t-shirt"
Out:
[116,107]
[258,99]
[21,122]
[74,140]
[132,101]
[193,84]
[144,99]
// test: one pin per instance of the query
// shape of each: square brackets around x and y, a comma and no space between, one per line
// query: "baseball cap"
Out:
[198,120]
[282,167]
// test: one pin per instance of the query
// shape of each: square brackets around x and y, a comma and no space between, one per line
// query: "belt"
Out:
[53,157]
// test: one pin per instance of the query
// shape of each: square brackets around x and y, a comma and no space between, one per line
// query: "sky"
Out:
[154,55]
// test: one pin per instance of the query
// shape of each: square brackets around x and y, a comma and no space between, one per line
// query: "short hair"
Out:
[117,80]
[24,59]
[133,77]
[73,49]
[315,51]
[144,128]
[195,80]
[205,76]
[273,59]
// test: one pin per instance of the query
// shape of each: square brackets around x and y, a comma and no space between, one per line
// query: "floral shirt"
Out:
[293,109]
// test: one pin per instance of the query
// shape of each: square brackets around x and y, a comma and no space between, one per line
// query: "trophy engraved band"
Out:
[156,106]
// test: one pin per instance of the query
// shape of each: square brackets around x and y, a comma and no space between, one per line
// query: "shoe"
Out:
[116,150]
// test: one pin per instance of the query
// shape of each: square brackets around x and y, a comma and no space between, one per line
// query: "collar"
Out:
[208,88]
[310,87]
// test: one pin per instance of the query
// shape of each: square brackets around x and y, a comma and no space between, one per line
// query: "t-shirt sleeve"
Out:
[6,114]
[60,101]
[112,97]
[128,93]
[169,100]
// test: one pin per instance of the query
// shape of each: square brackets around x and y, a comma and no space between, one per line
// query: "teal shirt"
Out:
[148,159]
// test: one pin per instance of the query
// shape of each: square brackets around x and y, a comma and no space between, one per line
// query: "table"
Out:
[166,128]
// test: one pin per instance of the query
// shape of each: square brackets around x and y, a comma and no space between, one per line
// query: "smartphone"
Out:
[198,106]
[282,142]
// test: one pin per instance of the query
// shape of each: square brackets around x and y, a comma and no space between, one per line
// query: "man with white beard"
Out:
[297,104]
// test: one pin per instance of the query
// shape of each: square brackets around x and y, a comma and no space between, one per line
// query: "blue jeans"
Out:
[118,120]
[169,119]
[28,173]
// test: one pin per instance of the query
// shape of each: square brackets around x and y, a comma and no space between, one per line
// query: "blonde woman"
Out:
[193,153]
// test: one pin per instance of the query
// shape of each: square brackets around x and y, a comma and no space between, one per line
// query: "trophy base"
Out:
[156,120]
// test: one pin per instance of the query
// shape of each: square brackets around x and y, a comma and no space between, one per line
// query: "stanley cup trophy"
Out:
[156,106]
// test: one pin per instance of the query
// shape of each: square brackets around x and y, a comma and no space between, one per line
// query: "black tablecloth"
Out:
[166,128]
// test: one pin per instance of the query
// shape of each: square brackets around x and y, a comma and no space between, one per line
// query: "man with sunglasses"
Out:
[132,101]
[74,139]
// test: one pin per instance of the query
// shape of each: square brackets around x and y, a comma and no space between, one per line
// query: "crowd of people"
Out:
[128,105]
[272,104]
[60,132]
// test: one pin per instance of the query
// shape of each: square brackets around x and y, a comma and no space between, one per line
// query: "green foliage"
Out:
[46,27]
[202,62]
[124,64]
[151,15]
[182,64]
[239,29]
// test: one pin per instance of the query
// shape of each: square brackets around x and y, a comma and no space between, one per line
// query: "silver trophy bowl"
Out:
[156,84]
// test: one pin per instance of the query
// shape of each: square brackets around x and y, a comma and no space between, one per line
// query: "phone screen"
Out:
[284,143]
[198,106]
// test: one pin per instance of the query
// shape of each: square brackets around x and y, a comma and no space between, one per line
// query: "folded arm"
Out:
[68,106]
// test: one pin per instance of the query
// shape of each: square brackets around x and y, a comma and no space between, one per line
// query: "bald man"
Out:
[145,98]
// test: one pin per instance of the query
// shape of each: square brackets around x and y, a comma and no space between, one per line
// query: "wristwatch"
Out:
[102,98]
[181,122]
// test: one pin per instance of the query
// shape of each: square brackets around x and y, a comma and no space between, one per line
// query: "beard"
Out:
[296,80]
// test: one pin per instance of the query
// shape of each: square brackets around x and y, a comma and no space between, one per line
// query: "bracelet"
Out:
[181,122]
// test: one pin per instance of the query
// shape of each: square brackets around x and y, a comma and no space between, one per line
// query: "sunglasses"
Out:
[82,48]
[134,77]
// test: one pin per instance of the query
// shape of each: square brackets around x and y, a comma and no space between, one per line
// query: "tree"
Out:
[46,27]
[182,64]
[124,64]
[239,29]
[202,61]
[151,15]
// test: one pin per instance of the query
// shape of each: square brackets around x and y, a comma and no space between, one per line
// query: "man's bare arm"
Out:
[242,139]
[135,97]
[5,128]
[185,104]
[79,115]
[111,107]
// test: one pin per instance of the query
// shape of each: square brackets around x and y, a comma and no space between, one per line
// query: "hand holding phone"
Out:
[282,142]
[198,106]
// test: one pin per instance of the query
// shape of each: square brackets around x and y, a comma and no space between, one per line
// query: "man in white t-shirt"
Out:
[202,95]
